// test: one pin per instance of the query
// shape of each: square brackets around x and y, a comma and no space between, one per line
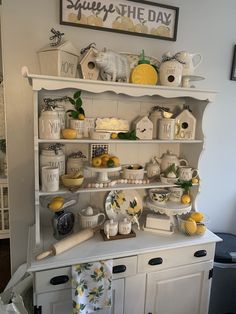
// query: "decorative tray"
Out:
[132,234]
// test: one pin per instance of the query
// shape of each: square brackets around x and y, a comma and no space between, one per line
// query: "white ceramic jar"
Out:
[154,117]
[50,158]
[124,226]
[171,73]
[110,228]
[74,165]
[62,116]
[49,125]
[77,125]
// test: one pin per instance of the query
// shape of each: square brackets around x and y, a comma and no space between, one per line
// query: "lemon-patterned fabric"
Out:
[91,286]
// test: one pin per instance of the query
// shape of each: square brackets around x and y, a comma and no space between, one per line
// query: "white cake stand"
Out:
[186,79]
[102,173]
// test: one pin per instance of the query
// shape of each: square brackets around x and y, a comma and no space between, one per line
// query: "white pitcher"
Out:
[191,61]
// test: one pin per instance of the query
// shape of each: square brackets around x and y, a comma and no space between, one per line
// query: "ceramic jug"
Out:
[168,159]
[190,61]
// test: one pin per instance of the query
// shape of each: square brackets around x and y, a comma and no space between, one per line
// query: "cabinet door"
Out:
[58,302]
[180,290]
[134,294]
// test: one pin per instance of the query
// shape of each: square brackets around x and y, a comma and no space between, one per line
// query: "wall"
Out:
[206,26]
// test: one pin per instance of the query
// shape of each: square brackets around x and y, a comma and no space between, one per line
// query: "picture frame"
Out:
[233,69]
[132,17]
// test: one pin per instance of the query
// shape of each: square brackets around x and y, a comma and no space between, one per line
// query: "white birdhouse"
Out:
[185,125]
[143,127]
[87,65]
[61,60]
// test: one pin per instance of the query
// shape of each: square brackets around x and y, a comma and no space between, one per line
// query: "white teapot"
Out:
[168,159]
[190,61]
[153,168]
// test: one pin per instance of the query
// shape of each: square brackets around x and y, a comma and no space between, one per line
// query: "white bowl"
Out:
[133,172]
[99,135]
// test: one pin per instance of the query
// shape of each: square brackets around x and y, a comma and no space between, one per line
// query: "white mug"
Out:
[187,173]
[176,194]
[166,129]
[50,179]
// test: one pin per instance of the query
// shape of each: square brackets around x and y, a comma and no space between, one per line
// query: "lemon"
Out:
[81,116]
[69,133]
[114,135]
[105,160]
[201,228]
[56,205]
[144,74]
[186,199]
[197,216]
[97,161]
[190,226]
[115,160]
[195,180]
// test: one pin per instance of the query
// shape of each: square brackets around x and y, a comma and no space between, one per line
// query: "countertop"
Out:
[97,249]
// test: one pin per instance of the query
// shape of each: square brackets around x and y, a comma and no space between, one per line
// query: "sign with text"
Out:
[124,16]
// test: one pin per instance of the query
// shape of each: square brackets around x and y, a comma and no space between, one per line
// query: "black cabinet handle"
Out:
[200,253]
[118,269]
[155,261]
[58,280]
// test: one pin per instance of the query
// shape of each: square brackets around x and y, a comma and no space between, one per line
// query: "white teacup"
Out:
[159,196]
[176,194]
[91,221]
[187,173]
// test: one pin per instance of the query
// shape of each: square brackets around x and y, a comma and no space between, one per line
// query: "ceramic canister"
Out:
[77,125]
[49,125]
[166,129]
[50,179]
[54,159]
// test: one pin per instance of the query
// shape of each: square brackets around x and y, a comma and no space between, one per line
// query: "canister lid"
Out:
[226,250]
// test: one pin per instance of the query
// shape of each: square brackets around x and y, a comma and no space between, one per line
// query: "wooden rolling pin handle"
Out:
[44,254]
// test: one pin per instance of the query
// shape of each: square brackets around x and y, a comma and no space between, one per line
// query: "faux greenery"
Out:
[184,184]
[127,135]
[77,102]
[172,168]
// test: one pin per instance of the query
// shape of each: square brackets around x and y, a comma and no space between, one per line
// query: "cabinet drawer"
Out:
[124,267]
[53,279]
[60,278]
[175,257]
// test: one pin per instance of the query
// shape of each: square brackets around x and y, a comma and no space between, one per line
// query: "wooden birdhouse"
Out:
[87,66]
[143,127]
[185,125]
[60,60]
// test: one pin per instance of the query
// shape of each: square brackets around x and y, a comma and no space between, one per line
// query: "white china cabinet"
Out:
[161,274]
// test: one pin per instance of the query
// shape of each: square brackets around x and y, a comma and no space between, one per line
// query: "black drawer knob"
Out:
[58,280]
[200,253]
[155,261]
[119,269]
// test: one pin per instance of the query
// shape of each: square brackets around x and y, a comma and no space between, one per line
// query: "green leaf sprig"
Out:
[184,184]
[77,102]
[127,135]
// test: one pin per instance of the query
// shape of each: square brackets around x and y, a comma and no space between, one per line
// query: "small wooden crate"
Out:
[61,60]
[132,234]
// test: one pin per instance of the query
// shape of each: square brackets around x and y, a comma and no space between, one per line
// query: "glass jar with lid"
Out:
[75,162]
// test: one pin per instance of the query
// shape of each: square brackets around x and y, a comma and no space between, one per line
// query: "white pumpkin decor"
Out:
[143,127]
[185,125]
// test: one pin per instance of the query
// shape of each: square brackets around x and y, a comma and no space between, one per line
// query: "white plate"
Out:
[123,203]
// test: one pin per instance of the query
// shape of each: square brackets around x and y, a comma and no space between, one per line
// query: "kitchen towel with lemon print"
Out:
[91,286]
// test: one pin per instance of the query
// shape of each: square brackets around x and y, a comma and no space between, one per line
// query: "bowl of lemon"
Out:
[193,223]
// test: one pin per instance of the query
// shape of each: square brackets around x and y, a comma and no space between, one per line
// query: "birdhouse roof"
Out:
[85,55]
[185,113]
[63,46]
[140,119]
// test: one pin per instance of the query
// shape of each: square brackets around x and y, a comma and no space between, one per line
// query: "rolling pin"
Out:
[67,243]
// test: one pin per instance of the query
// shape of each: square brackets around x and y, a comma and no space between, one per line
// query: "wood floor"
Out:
[5,269]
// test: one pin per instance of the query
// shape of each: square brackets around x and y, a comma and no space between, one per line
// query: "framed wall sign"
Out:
[233,69]
[134,17]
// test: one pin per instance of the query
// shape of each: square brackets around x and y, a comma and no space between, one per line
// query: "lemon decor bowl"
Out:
[133,172]
[191,227]
[68,180]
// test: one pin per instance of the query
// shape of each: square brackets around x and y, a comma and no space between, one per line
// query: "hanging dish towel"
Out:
[91,286]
